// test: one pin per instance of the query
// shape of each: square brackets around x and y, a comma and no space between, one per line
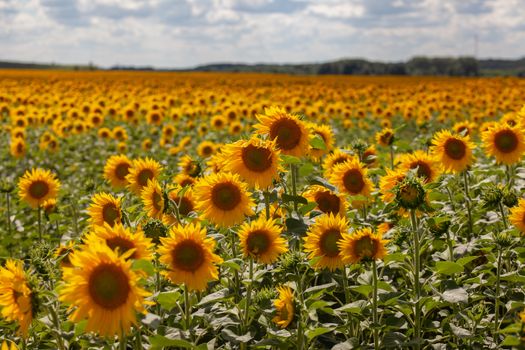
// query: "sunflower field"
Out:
[252,211]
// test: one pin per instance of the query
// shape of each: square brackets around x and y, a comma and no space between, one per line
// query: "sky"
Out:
[186,33]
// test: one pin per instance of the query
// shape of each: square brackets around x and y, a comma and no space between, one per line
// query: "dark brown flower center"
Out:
[258,242]
[353,181]
[38,189]
[506,141]
[423,169]
[109,286]
[145,175]
[121,244]
[455,149]
[157,201]
[188,256]
[327,202]
[226,196]
[328,242]
[122,170]
[365,247]
[110,213]
[287,132]
[257,159]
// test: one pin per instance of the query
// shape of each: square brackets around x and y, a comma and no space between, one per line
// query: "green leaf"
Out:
[312,333]
[448,267]
[231,264]
[457,295]
[144,265]
[355,307]
[466,259]
[168,300]
[287,160]
[511,340]
[306,169]
[305,209]
[159,342]
[317,142]
[214,297]
[289,198]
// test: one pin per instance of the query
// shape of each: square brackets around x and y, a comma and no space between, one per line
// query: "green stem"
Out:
[374,306]
[392,156]
[236,279]
[40,223]
[450,198]
[508,171]
[7,197]
[417,282]
[123,341]
[496,297]
[345,285]
[503,217]
[248,296]
[294,184]
[267,203]
[187,307]
[450,247]
[56,323]
[139,339]
[468,200]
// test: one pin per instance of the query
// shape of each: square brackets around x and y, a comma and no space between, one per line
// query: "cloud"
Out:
[183,33]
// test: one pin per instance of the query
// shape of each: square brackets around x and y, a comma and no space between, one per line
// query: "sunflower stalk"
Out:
[293,168]
[56,323]
[417,282]
[468,201]
[266,195]
[374,305]
[345,285]
[496,296]
[40,223]
[8,203]
[187,307]
[248,296]
[503,216]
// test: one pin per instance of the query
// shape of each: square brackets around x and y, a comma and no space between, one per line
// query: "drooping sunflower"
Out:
[325,133]
[104,208]
[504,142]
[335,158]
[351,177]
[140,172]
[261,239]
[517,216]
[116,169]
[255,160]
[102,288]
[16,297]
[327,201]
[290,133]
[189,255]
[284,306]
[452,151]
[388,182]
[321,241]
[426,166]
[223,199]
[121,240]
[37,186]
[362,244]
[385,137]
[152,199]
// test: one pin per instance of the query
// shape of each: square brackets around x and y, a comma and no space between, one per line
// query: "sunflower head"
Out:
[351,177]
[425,166]
[189,256]
[153,199]
[116,169]
[102,287]
[284,307]
[362,244]
[410,193]
[452,151]
[517,216]
[289,132]
[37,186]
[140,172]
[261,239]
[327,201]
[321,242]
[504,142]
[385,137]
[104,208]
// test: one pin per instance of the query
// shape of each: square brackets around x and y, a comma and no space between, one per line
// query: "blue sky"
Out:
[185,33]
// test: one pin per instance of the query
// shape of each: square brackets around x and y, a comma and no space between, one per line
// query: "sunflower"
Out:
[290,133]
[223,199]
[121,240]
[37,186]
[62,253]
[16,297]
[6,346]
[351,177]
[119,133]
[255,160]
[152,199]
[426,166]
[116,169]
[206,148]
[327,201]
[465,128]
[388,182]
[284,306]
[102,288]
[321,241]
[188,253]
[140,172]
[385,137]
[370,157]
[262,240]
[335,158]
[517,216]
[104,208]
[326,134]
[189,166]
[184,180]
[184,199]
[18,148]
[452,151]
[104,133]
[362,244]
[504,142]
